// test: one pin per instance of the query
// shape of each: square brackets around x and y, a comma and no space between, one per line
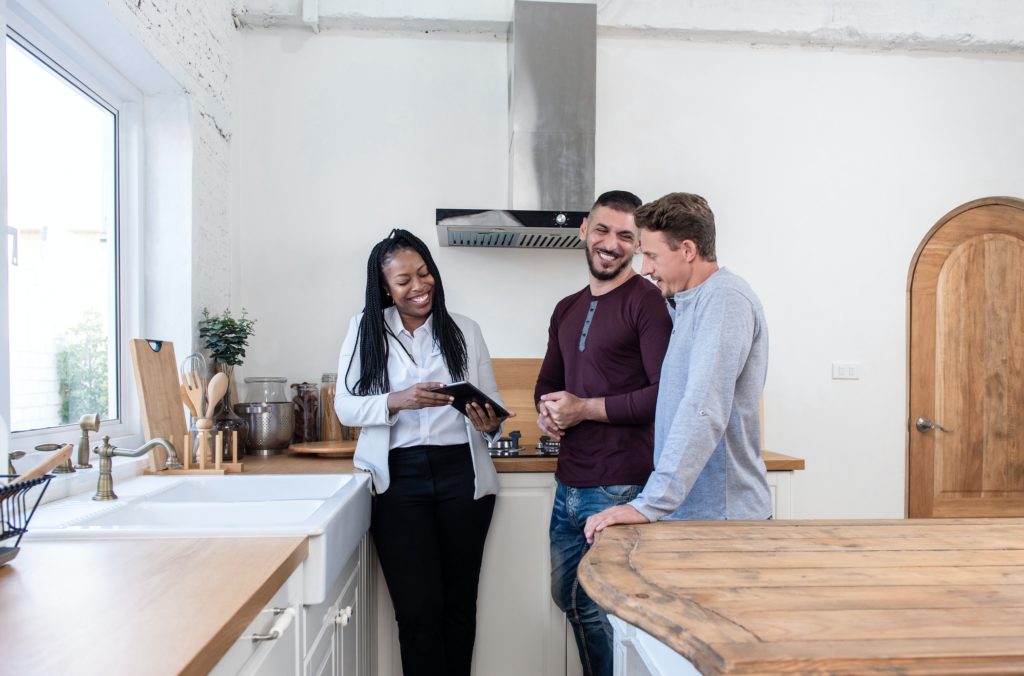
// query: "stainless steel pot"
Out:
[270,426]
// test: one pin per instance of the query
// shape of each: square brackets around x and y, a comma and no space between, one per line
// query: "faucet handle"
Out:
[89,422]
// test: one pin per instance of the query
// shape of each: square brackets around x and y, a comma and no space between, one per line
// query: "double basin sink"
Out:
[332,510]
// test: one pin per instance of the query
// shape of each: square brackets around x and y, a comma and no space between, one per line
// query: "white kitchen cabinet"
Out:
[780,483]
[274,657]
[637,653]
[315,642]
[336,631]
[347,631]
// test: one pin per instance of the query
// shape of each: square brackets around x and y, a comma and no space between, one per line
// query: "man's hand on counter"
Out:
[611,517]
[566,409]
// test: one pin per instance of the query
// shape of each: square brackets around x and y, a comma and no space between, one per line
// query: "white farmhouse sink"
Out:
[148,514]
[332,510]
[254,488]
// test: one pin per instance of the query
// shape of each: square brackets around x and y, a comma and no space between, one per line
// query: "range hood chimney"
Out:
[552,61]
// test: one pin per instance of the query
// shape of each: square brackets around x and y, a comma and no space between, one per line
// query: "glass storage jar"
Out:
[330,426]
[265,390]
[307,405]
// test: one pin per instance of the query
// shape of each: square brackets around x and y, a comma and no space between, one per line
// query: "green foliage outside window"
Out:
[82,369]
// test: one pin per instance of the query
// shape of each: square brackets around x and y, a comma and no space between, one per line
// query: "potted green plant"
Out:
[226,339]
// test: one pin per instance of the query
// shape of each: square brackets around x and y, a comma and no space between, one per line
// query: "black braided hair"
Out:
[372,342]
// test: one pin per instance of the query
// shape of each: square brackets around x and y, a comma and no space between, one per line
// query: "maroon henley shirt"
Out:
[626,339]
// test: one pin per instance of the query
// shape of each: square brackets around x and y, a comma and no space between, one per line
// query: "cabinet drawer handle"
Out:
[344,616]
[279,627]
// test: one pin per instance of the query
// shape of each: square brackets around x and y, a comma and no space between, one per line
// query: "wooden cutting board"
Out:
[156,379]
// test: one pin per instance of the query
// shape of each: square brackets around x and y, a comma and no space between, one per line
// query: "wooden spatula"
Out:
[46,465]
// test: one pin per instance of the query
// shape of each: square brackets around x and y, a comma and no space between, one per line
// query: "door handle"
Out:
[924,424]
[280,625]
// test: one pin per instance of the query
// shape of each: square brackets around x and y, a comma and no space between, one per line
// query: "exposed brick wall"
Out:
[198,35]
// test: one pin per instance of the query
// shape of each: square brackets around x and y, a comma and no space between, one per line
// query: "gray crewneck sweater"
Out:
[707,429]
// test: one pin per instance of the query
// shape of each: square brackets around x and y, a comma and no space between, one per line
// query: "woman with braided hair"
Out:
[434,479]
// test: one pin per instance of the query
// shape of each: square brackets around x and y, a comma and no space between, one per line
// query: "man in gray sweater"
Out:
[707,432]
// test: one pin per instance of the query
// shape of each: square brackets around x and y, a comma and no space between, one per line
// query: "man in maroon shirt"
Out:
[596,393]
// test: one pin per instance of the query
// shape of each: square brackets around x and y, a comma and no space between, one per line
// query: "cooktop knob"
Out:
[561,219]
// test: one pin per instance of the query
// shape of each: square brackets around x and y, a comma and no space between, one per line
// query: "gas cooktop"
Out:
[508,447]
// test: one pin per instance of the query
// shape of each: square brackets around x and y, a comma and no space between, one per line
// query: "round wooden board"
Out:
[334,449]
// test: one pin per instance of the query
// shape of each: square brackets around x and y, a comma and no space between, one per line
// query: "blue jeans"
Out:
[589,622]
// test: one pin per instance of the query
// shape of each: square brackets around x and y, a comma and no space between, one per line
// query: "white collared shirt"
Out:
[435,426]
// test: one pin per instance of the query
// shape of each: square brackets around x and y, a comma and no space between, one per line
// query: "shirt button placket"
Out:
[424,412]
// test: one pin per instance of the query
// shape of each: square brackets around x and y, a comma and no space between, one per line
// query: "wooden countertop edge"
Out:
[777,462]
[218,645]
[611,554]
[290,463]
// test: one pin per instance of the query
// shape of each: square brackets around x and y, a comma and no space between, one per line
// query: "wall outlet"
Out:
[845,370]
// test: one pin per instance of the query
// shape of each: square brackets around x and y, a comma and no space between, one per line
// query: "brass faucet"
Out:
[105,488]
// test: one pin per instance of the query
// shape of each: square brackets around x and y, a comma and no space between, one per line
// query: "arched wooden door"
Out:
[966,364]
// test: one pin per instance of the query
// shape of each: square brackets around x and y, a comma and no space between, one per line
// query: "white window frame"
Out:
[31,24]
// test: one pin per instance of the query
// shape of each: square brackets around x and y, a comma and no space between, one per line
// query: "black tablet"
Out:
[465,393]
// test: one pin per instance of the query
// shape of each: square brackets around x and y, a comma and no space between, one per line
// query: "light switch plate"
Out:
[845,370]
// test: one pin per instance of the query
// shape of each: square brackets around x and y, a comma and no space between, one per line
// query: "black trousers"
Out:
[430,533]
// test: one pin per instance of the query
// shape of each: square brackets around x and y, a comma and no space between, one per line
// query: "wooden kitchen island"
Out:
[931,597]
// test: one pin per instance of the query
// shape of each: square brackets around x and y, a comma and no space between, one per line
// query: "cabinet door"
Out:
[347,638]
[321,660]
[520,630]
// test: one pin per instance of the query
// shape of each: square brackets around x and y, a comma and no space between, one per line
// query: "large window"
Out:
[62,244]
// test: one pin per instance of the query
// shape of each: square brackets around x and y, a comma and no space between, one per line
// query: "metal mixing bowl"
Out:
[270,426]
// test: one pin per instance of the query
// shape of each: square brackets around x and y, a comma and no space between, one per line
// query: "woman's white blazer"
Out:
[371,412]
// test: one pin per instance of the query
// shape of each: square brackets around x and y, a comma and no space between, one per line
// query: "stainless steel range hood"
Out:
[552,59]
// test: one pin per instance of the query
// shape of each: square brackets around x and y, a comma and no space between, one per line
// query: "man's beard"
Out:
[601,275]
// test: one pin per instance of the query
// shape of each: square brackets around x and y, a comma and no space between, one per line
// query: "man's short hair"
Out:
[679,216]
[620,200]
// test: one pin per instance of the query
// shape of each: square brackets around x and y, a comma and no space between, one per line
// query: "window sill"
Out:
[83,480]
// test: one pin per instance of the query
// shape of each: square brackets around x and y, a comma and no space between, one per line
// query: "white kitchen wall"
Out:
[344,137]
[824,168]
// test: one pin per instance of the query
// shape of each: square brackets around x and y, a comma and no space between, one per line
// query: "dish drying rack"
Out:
[15,513]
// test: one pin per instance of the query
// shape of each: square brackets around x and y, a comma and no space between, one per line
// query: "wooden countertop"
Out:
[289,463]
[929,597]
[154,607]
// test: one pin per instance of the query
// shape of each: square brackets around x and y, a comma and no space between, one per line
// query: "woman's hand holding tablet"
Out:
[485,413]
[420,395]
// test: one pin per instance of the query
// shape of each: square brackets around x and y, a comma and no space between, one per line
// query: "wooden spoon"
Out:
[215,392]
[46,465]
